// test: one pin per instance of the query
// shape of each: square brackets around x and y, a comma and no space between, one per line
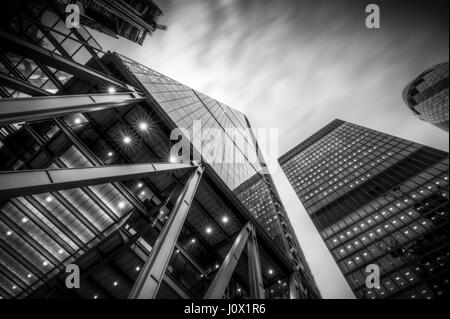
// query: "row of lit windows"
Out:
[390,209]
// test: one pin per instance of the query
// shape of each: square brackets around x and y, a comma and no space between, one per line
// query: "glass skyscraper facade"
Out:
[235,156]
[377,199]
[105,228]
[427,96]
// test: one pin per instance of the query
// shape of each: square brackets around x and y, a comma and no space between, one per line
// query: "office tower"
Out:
[378,200]
[246,175]
[427,96]
[77,134]
[264,203]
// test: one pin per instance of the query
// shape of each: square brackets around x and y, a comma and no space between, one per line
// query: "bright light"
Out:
[143,126]
[24,220]
[225,219]
[49,199]
[61,251]
[270,272]
[112,89]
[110,154]
[45,263]
[140,185]
[209,230]
[127,140]
[121,205]
[8,233]
[138,268]
[115,283]
[193,241]
[77,121]
[173,159]
[29,275]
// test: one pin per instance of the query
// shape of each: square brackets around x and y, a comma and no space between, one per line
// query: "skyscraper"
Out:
[88,178]
[377,200]
[247,178]
[427,96]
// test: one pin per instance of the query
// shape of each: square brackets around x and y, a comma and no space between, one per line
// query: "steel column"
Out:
[217,288]
[39,54]
[293,287]
[24,183]
[152,274]
[37,108]
[254,265]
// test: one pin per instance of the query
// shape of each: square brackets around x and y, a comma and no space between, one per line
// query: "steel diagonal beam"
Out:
[21,85]
[39,54]
[37,108]
[220,283]
[152,274]
[254,265]
[293,287]
[24,183]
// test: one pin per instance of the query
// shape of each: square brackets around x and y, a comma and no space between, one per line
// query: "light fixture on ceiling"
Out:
[127,140]
[143,126]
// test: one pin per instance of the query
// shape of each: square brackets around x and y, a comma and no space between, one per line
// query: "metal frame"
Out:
[217,288]
[293,287]
[254,265]
[23,183]
[39,54]
[21,85]
[30,109]
[152,274]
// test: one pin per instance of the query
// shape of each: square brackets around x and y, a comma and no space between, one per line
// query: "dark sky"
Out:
[296,65]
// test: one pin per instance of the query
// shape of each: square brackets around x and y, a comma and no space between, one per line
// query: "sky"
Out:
[296,65]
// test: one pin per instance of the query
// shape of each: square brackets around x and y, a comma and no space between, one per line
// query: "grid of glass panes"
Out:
[431,95]
[185,106]
[341,161]
[42,26]
[393,221]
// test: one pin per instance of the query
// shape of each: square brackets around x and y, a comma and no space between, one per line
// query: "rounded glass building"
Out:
[427,96]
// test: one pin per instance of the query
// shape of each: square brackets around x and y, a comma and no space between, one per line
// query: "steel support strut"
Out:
[21,85]
[217,288]
[254,265]
[293,287]
[42,55]
[152,274]
[37,108]
[24,183]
